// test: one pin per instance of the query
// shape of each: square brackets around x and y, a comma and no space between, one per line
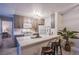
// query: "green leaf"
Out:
[68,34]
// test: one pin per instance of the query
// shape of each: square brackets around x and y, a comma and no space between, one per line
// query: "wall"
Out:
[71,19]
[60,24]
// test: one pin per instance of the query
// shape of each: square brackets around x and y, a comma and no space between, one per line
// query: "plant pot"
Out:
[67,46]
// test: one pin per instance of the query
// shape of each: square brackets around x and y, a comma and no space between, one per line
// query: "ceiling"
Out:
[33,9]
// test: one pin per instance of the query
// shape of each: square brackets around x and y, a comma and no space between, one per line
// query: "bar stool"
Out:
[47,51]
[56,46]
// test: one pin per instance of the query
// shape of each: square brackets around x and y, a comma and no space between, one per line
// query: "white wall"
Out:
[71,19]
[60,22]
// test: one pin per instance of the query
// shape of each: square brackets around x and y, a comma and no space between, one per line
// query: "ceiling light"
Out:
[37,13]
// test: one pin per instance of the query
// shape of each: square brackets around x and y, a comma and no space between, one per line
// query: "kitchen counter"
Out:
[26,41]
[28,45]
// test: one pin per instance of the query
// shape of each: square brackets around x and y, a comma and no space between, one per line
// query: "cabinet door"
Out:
[0,26]
[21,21]
[0,33]
[35,25]
[34,49]
[18,21]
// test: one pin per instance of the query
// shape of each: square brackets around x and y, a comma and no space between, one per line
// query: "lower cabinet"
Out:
[35,49]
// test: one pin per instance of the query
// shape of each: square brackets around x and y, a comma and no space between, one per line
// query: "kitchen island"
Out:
[32,46]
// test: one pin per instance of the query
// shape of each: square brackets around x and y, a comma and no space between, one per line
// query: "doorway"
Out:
[6,30]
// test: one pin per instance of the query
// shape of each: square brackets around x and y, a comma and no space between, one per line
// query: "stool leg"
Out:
[42,53]
[60,50]
[56,49]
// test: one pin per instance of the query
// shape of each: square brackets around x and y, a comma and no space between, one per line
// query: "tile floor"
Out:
[8,51]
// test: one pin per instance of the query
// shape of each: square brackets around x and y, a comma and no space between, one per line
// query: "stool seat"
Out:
[53,49]
[47,50]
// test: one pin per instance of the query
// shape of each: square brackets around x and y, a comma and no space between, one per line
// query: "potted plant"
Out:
[66,34]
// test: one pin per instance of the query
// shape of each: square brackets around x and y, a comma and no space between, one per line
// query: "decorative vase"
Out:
[67,46]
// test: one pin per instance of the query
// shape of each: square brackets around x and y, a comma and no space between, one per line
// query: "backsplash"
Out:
[44,30]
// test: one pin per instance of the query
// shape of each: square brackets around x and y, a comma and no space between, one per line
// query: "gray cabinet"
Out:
[18,21]
[0,26]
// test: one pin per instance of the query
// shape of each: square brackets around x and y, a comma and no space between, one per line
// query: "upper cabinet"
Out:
[27,24]
[18,21]
[41,21]
[34,24]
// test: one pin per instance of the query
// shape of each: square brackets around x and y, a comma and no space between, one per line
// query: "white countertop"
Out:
[25,41]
